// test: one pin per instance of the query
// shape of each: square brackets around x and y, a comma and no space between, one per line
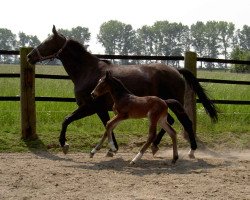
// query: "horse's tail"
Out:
[200,91]
[182,116]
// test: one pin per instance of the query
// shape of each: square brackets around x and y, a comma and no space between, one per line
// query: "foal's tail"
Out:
[182,116]
[199,90]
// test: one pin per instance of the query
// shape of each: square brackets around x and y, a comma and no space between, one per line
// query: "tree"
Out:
[7,42]
[145,41]
[27,40]
[212,41]
[170,39]
[244,37]
[226,37]
[80,34]
[239,54]
[198,41]
[117,37]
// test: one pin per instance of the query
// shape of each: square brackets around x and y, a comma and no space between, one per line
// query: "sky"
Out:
[36,17]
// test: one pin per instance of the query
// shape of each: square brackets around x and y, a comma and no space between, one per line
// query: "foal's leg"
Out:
[99,145]
[156,142]
[104,116]
[151,137]
[110,127]
[172,134]
[111,124]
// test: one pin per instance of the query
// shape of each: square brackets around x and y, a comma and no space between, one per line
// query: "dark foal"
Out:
[126,105]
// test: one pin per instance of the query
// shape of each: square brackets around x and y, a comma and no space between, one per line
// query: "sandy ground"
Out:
[46,175]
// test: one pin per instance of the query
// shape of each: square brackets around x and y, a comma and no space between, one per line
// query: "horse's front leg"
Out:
[80,112]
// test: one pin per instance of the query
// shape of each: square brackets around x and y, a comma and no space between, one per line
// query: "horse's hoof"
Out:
[109,154]
[191,154]
[175,159]
[65,148]
[154,149]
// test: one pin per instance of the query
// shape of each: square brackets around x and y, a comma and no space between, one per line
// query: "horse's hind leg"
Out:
[151,138]
[172,134]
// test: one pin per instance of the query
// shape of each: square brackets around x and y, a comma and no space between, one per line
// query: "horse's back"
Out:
[152,79]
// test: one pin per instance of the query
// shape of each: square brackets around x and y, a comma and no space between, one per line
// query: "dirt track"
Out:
[47,175]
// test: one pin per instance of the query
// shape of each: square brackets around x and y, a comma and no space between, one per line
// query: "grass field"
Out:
[232,130]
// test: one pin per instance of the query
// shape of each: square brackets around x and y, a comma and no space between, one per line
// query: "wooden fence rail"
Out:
[28,99]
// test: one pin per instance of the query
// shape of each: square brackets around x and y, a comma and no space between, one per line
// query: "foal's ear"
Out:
[108,74]
[54,31]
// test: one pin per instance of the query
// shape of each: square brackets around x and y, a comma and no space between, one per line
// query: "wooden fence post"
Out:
[27,99]
[190,97]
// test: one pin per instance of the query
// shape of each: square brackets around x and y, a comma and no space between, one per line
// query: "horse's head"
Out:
[103,86]
[48,49]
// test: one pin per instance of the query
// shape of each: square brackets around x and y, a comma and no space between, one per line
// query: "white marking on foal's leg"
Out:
[136,158]
[191,154]
[92,153]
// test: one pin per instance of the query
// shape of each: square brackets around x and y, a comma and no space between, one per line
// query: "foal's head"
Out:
[103,85]
[109,84]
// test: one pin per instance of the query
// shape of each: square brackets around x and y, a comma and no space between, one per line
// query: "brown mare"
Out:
[127,106]
[85,70]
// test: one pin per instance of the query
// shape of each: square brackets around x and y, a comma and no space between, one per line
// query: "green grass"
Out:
[232,130]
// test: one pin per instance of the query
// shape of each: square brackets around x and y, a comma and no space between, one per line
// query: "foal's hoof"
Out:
[191,156]
[154,149]
[65,148]
[132,163]
[110,153]
[91,155]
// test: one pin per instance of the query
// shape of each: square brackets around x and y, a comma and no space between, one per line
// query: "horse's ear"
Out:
[54,30]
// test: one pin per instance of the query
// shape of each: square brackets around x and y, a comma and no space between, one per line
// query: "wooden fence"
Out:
[27,78]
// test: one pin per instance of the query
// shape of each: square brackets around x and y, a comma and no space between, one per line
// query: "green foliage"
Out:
[80,34]
[239,54]
[232,130]
[27,40]
[117,37]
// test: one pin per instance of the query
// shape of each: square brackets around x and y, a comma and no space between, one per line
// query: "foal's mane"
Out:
[118,86]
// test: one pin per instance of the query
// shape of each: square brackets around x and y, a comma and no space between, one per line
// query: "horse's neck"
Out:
[81,68]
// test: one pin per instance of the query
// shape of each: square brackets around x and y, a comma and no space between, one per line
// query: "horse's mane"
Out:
[77,46]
